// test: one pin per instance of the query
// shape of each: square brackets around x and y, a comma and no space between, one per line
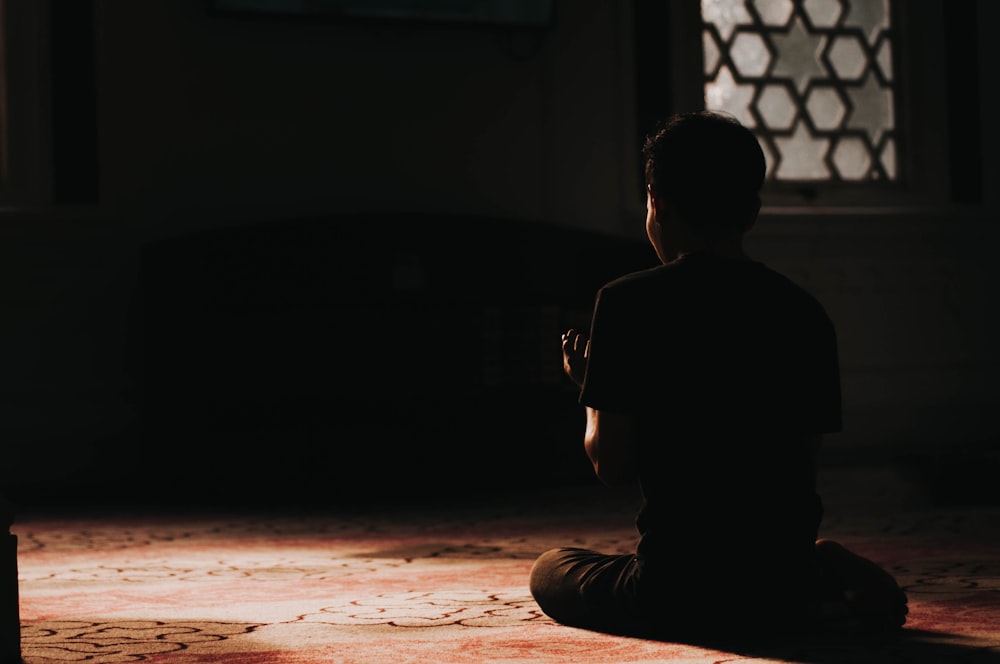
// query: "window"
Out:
[850,98]
[814,80]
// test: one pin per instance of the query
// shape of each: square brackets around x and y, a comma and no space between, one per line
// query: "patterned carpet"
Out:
[436,583]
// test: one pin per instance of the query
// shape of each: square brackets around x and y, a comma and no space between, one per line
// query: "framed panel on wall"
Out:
[524,13]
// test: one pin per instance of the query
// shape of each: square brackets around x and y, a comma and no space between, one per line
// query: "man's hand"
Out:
[575,350]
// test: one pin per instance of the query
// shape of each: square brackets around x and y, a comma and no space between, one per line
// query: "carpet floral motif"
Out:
[433,586]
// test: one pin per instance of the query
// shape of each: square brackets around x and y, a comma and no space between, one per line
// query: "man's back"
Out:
[730,367]
[709,342]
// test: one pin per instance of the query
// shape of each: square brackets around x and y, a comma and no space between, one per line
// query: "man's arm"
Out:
[608,442]
[608,436]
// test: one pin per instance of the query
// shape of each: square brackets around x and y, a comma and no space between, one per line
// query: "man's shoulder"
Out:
[696,272]
[790,287]
[640,278]
[720,280]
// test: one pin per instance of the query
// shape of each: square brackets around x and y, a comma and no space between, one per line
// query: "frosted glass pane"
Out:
[826,108]
[851,158]
[725,14]
[711,52]
[725,94]
[872,16]
[774,12]
[885,59]
[798,55]
[848,58]
[823,13]
[802,156]
[750,54]
[889,159]
[872,108]
[776,107]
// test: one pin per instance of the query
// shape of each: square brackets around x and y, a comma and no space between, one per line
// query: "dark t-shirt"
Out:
[726,367]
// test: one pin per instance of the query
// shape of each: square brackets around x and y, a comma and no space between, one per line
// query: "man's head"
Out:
[709,169]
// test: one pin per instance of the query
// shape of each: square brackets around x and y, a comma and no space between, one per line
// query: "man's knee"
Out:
[543,578]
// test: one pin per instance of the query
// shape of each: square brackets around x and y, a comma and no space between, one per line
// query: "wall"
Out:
[210,118]
[914,298]
[207,121]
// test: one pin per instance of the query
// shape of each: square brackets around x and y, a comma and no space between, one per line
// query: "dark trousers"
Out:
[619,594]
[587,589]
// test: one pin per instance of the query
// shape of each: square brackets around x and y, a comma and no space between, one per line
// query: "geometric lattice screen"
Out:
[812,78]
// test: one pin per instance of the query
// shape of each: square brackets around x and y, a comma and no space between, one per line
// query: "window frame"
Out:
[25,113]
[922,111]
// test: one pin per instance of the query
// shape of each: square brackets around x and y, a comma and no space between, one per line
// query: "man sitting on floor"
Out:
[710,380]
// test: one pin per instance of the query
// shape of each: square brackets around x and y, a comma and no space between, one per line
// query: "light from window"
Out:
[812,78]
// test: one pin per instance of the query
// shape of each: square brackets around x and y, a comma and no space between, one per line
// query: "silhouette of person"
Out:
[710,380]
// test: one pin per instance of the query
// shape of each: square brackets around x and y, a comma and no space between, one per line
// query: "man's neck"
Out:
[728,247]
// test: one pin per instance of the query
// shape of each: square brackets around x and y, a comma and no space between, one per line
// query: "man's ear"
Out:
[657,203]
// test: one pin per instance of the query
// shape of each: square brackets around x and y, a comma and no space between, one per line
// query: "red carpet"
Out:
[430,584]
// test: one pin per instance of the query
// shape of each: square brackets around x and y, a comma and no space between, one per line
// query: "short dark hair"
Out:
[709,166]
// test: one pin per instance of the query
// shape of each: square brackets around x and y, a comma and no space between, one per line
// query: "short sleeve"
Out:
[611,380]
